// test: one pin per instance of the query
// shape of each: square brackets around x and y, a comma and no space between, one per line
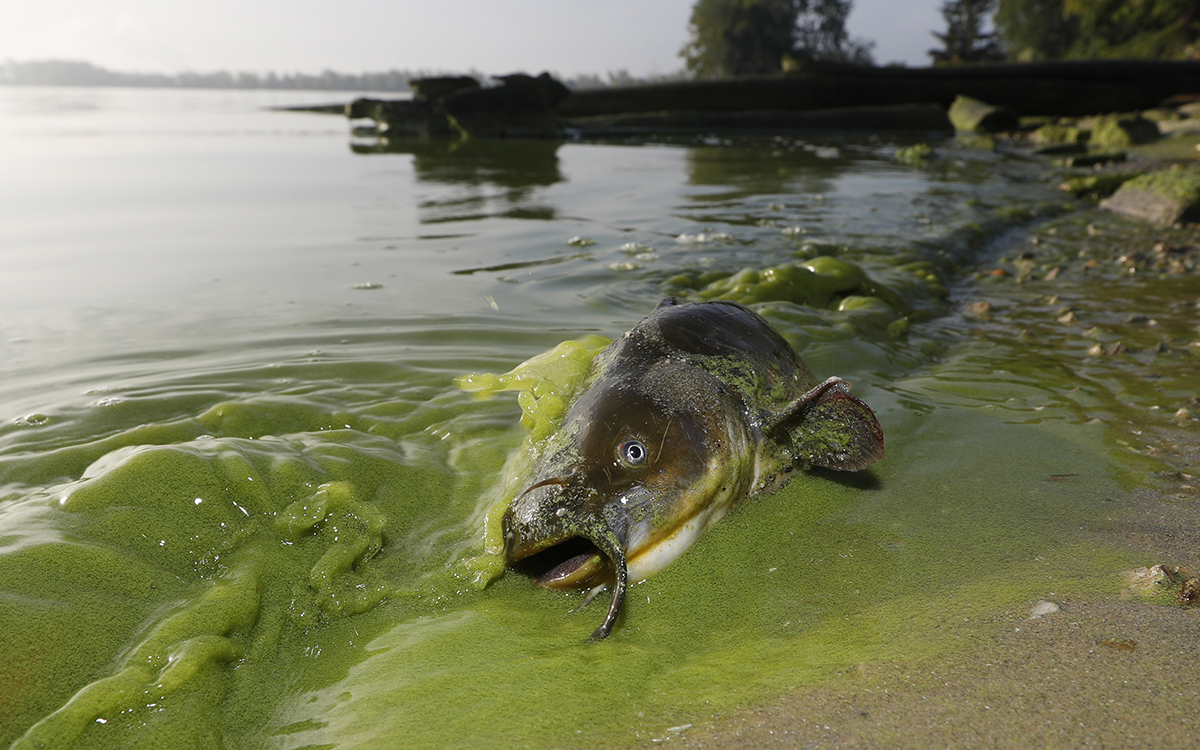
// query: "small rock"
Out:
[1112,350]
[1142,581]
[980,309]
[1166,197]
[1042,608]
[972,115]
[1189,591]
[1122,132]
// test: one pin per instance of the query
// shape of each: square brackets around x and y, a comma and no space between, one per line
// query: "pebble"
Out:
[1042,608]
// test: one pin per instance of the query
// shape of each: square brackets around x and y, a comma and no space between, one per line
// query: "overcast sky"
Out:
[351,36]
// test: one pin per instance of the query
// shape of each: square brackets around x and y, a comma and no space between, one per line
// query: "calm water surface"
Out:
[239,490]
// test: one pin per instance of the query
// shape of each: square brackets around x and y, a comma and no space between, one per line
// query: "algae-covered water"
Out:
[242,499]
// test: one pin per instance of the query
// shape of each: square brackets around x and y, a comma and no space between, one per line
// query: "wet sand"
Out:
[1100,672]
[1096,673]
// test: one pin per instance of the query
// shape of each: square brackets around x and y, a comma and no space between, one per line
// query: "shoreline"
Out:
[1101,670]
[1095,673]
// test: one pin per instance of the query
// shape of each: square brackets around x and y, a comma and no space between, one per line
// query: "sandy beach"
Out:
[1097,672]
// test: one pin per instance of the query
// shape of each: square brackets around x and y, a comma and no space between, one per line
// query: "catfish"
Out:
[697,407]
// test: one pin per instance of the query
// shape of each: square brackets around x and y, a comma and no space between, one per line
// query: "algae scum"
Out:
[283,545]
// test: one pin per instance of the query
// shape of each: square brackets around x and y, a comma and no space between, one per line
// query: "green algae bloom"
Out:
[277,546]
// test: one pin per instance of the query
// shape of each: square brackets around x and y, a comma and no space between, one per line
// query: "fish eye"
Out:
[632,452]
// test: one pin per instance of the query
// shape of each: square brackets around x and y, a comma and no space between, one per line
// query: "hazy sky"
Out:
[350,36]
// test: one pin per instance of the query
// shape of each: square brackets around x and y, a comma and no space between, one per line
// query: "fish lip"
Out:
[599,555]
[518,546]
[568,559]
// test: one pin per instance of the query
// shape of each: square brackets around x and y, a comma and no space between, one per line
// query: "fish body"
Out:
[698,406]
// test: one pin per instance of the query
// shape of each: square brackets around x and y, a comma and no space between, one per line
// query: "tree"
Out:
[821,34]
[1160,29]
[1086,29]
[1035,29]
[750,37]
[965,40]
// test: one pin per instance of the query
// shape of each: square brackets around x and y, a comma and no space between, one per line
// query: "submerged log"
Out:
[438,88]
[1071,88]
[522,107]
[421,116]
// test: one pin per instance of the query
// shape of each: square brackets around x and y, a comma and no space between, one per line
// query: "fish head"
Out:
[638,458]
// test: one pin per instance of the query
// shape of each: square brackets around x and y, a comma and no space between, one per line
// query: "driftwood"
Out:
[819,96]
[1074,88]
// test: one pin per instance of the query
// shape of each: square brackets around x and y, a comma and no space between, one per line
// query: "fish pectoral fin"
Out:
[828,427]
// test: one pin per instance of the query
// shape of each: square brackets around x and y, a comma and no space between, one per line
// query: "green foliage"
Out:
[1087,29]
[821,34]
[751,37]
[739,37]
[1162,29]
[1035,29]
[964,39]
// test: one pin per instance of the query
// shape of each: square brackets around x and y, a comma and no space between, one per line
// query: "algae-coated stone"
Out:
[1122,132]
[914,155]
[1160,115]
[974,116]
[1096,184]
[1052,135]
[1166,197]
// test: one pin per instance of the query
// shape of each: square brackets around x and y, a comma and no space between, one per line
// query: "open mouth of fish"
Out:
[572,563]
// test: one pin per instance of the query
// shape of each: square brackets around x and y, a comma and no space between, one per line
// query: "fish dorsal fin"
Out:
[828,427]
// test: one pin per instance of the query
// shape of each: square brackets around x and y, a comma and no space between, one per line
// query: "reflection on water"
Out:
[777,166]
[501,173]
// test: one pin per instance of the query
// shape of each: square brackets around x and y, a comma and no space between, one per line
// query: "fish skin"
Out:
[724,410]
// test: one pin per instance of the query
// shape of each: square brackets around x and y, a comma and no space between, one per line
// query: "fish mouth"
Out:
[566,550]
[575,562]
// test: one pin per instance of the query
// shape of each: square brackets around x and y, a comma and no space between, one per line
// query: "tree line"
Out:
[74,73]
[1034,30]
[754,37]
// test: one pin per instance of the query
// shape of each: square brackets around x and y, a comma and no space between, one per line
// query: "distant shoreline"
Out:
[79,73]
[75,73]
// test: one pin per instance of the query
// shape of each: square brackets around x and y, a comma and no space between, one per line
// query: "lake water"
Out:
[242,498]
